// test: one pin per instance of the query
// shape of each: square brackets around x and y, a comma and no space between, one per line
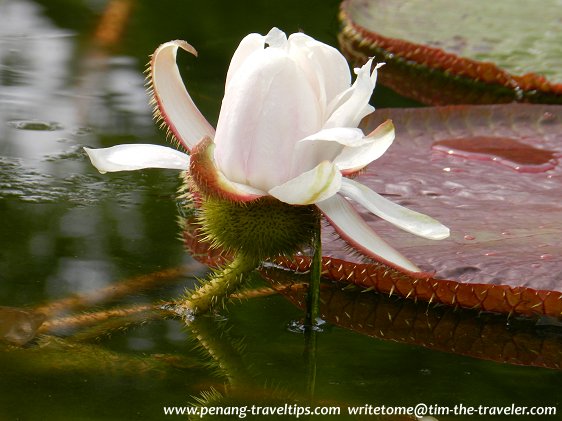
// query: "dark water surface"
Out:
[69,80]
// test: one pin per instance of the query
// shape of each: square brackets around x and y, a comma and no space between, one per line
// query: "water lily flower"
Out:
[288,128]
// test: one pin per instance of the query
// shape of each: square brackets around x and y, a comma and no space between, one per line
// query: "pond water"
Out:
[97,254]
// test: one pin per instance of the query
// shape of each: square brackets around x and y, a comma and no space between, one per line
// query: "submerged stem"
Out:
[313,297]
[218,287]
[313,311]
[310,352]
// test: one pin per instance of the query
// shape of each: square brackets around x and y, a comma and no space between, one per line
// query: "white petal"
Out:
[355,231]
[327,144]
[310,187]
[347,136]
[347,109]
[276,38]
[137,156]
[268,107]
[353,158]
[249,45]
[404,218]
[325,67]
[175,105]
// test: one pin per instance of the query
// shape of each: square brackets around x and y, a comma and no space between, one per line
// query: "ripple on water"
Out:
[35,125]
[28,185]
[297,326]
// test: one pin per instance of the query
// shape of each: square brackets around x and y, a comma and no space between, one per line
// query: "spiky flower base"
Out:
[251,231]
[262,229]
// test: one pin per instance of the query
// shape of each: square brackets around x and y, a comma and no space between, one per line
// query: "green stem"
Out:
[313,297]
[310,352]
[313,312]
[218,287]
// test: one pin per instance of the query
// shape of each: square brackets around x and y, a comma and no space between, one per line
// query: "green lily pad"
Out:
[440,52]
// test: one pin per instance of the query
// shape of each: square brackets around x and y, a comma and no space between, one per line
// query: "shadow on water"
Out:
[88,262]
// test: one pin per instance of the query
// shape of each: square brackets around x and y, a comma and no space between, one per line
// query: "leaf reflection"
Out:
[486,336]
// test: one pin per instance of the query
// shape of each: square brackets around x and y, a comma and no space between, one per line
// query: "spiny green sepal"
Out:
[263,228]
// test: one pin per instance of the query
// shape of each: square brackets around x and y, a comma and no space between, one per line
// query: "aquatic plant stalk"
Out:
[220,285]
[116,290]
[310,352]
[313,297]
[313,312]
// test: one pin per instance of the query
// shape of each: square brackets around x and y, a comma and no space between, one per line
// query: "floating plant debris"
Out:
[18,326]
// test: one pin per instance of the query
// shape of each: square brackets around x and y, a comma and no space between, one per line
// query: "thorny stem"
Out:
[115,291]
[124,316]
[218,287]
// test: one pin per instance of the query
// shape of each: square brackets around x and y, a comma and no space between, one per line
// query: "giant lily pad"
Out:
[491,173]
[470,52]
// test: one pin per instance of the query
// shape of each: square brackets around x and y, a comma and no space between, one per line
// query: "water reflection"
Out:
[52,90]
[61,90]
[33,58]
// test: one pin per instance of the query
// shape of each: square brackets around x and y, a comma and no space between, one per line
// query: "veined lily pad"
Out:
[470,52]
[504,209]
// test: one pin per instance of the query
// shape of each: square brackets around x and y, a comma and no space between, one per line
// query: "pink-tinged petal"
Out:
[313,186]
[212,181]
[352,159]
[174,105]
[404,218]
[249,45]
[267,108]
[325,67]
[137,156]
[348,108]
[355,231]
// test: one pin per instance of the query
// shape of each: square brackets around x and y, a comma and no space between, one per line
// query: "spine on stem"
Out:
[221,284]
